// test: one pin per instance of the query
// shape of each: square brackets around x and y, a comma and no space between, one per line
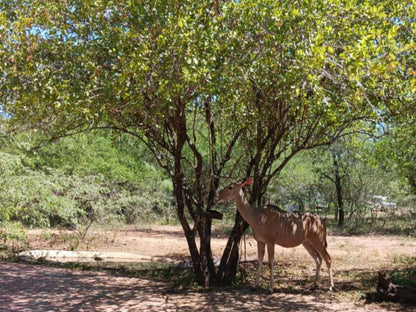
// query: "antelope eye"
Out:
[230,187]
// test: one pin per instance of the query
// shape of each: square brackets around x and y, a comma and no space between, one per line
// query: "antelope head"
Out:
[230,191]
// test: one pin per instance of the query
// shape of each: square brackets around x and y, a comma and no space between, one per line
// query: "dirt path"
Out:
[25,287]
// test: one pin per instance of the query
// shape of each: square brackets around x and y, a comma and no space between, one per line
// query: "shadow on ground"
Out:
[27,287]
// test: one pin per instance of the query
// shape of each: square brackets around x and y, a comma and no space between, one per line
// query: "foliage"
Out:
[308,181]
[40,199]
[211,88]
[143,191]
[296,188]
[79,179]
[397,149]
[12,236]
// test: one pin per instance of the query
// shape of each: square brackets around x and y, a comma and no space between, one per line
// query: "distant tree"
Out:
[397,149]
[211,88]
[350,173]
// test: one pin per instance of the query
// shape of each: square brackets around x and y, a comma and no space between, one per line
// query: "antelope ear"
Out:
[247,182]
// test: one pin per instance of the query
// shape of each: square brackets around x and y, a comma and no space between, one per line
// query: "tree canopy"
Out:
[194,80]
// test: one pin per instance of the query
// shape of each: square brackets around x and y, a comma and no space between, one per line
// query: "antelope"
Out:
[272,225]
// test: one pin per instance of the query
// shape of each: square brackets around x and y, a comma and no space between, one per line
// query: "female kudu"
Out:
[273,226]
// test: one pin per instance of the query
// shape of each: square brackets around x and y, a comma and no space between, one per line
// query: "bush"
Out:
[60,187]
[13,236]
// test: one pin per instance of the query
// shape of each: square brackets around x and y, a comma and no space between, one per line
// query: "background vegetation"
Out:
[111,180]
[94,177]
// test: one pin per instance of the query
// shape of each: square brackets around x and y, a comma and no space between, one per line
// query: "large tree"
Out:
[214,89]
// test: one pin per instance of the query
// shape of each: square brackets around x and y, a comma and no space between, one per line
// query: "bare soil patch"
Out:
[356,260]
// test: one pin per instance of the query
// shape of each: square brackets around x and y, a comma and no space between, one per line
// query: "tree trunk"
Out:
[227,270]
[206,274]
[207,263]
[199,260]
[338,187]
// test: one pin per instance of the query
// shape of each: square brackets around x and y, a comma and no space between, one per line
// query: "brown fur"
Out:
[272,226]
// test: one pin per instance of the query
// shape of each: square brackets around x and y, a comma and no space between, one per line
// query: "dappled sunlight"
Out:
[166,286]
[36,288]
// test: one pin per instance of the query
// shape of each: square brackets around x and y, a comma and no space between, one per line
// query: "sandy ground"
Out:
[28,287]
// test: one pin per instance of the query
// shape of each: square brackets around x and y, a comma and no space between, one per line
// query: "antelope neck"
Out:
[246,210]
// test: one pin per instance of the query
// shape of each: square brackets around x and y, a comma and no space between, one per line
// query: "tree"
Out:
[397,150]
[339,171]
[211,88]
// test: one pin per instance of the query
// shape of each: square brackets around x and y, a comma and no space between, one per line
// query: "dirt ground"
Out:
[33,287]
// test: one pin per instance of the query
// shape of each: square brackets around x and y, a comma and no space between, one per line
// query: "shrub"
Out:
[13,236]
[45,197]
